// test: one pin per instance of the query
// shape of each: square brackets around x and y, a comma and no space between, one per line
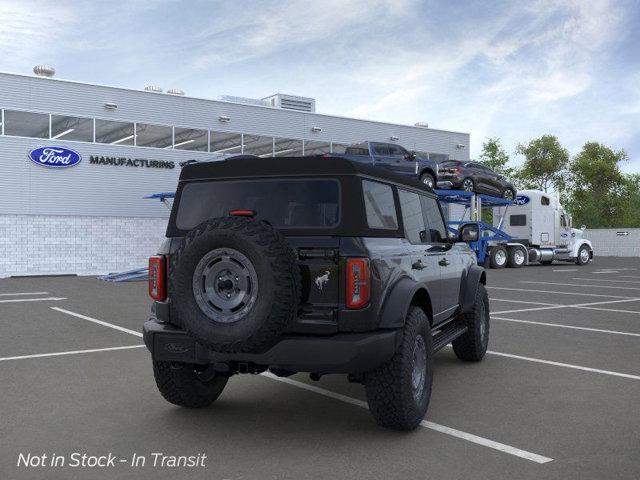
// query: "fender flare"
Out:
[475,276]
[580,243]
[428,170]
[397,302]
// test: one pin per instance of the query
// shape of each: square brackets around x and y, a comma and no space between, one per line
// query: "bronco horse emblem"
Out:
[322,280]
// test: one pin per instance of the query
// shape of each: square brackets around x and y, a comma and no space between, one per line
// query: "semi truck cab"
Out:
[538,221]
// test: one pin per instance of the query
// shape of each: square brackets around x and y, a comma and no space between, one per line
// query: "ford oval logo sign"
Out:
[55,157]
[521,200]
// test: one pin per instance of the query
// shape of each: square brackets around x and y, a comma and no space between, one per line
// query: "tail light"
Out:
[358,286]
[242,213]
[157,278]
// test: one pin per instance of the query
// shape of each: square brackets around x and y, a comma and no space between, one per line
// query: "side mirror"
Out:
[469,232]
[583,227]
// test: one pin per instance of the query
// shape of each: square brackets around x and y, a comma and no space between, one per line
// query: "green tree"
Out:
[545,164]
[599,191]
[631,199]
[495,157]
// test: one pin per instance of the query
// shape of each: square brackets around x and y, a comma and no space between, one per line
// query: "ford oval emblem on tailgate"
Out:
[55,157]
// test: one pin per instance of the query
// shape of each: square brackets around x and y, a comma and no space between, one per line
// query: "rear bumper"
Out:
[341,353]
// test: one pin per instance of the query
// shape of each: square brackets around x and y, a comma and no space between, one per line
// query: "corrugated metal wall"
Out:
[614,242]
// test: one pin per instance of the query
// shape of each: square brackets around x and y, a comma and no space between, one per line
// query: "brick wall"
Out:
[49,245]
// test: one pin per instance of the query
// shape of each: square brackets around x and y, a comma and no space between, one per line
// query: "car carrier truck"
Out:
[532,228]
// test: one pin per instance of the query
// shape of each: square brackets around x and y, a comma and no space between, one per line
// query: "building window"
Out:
[26,124]
[316,148]
[380,206]
[72,128]
[225,143]
[114,133]
[258,145]
[157,136]
[287,147]
[190,139]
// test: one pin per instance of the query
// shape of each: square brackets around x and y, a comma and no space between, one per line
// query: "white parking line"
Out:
[566,269]
[560,293]
[73,352]
[520,301]
[430,425]
[565,365]
[99,322]
[572,327]
[578,285]
[616,310]
[604,280]
[45,299]
[576,305]
[23,293]
[628,276]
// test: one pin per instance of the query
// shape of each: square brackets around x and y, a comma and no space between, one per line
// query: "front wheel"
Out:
[428,180]
[398,392]
[508,194]
[186,385]
[583,255]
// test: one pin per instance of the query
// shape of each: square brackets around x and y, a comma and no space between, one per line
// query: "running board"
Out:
[447,335]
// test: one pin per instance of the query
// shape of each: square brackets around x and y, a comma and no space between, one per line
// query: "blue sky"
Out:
[515,70]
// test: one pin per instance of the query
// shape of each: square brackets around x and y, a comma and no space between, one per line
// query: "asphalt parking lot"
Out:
[557,396]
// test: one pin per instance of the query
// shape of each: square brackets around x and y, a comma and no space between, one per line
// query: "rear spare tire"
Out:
[235,284]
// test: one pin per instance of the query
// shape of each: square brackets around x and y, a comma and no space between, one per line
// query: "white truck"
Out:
[541,233]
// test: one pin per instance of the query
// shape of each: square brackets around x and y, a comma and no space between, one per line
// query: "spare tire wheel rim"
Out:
[419,370]
[225,285]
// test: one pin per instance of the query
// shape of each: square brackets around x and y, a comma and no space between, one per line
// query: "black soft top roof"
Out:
[253,167]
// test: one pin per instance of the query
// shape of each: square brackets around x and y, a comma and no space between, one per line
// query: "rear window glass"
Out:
[283,203]
[380,206]
[449,163]
[517,220]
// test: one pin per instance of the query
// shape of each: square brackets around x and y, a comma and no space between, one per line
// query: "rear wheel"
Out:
[428,180]
[517,257]
[468,185]
[398,392]
[498,257]
[187,385]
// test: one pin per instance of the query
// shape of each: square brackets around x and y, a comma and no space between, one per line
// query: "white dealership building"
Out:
[78,159]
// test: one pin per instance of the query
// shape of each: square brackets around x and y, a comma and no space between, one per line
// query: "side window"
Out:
[517,220]
[563,221]
[437,232]
[544,200]
[380,206]
[380,149]
[412,218]
[396,151]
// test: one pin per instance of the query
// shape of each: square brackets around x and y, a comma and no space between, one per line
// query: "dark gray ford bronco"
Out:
[318,265]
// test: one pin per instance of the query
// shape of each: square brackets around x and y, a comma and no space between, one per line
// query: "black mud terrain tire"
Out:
[472,346]
[182,384]
[398,392]
[261,276]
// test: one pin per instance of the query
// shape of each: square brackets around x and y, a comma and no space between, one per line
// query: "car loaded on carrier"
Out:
[318,265]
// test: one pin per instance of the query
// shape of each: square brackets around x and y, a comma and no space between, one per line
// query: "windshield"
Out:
[299,203]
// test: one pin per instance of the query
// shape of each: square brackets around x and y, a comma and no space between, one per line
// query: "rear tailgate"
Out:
[318,258]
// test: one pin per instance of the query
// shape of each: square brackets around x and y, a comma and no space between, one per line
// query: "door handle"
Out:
[417,265]
[444,262]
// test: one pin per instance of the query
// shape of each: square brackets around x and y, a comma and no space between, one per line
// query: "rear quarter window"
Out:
[379,205]
[299,203]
